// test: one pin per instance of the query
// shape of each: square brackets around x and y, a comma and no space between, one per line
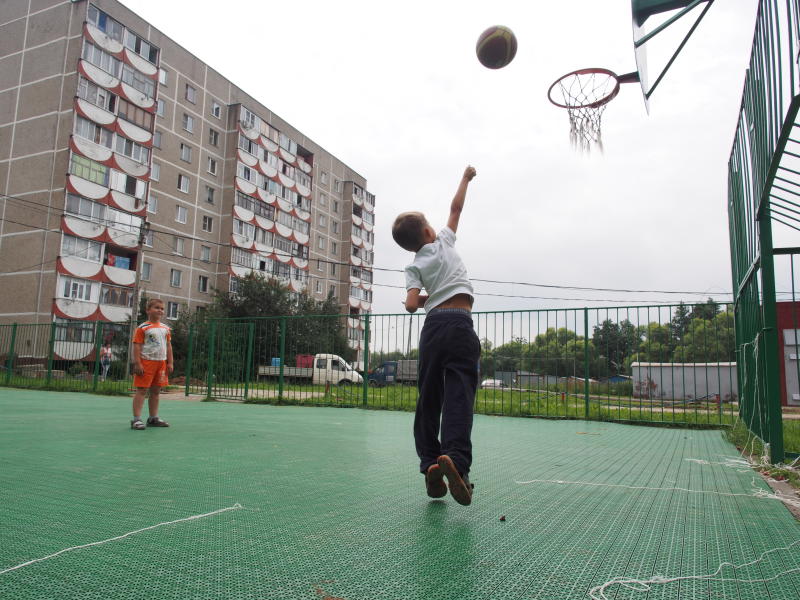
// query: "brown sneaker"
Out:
[434,482]
[137,424]
[460,487]
[156,422]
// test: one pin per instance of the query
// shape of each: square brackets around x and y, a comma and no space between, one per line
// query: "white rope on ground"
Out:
[643,585]
[756,493]
[124,535]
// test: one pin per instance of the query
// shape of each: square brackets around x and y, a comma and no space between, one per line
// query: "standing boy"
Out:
[152,359]
[449,349]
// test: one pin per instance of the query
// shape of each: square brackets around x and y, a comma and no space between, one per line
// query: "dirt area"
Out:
[784,489]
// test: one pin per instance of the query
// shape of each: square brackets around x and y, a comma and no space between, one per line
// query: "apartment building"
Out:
[126,162]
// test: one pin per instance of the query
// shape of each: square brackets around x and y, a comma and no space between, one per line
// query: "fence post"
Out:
[281,360]
[365,395]
[586,360]
[50,349]
[211,342]
[10,358]
[772,376]
[251,327]
[187,372]
[98,337]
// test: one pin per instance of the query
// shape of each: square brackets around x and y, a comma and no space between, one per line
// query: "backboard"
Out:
[643,32]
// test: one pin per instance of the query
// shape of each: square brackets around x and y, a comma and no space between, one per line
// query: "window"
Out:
[92,132]
[102,60]
[162,77]
[318,286]
[81,248]
[216,109]
[157,139]
[210,194]
[188,123]
[202,283]
[191,94]
[186,153]
[248,118]
[183,183]
[132,150]
[147,270]
[160,107]
[139,81]
[205,253]
[141,47]
[90,170]
[106,24]
[181,214]
[334,226]
[175,277]
[77,289]
[134,114]
[323,200]
[212,166]
[172,310]
[334,248]
[337,185]
[148,239]
[96,95]
[208,224]
[333,269]
[336,206]
[155,171]
[152,203]
[128,184]
[94,211]
[319,265]
[332,291]
[321,243]
[323,178]
[67,330]
[178,245]
[213,137]
[322,221]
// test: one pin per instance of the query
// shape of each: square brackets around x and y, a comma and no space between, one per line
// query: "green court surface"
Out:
[327,504]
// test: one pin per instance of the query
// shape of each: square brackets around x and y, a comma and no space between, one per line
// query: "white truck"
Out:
[326,368]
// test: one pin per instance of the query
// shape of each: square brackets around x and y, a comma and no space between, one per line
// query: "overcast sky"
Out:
[396,92]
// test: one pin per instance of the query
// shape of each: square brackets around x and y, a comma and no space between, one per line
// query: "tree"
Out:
[615,342]
[706,311]
[679,324]
[708,340]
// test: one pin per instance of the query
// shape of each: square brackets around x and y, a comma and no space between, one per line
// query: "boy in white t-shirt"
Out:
[449,349]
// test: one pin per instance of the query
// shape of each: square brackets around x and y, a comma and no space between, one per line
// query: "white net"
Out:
[585,94]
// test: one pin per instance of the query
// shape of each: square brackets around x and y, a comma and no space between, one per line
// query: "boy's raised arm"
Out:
[458,200]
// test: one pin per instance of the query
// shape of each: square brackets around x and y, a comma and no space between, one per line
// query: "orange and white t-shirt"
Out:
[154,338]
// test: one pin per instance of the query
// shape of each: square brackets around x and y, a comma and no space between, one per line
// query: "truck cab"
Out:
[384,375]
[331,368]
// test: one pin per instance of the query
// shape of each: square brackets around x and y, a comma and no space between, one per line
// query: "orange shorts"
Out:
[155,374]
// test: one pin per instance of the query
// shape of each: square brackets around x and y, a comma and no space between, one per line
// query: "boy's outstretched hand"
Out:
[469,173]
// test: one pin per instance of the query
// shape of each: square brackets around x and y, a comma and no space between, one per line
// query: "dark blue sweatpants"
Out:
[449,351]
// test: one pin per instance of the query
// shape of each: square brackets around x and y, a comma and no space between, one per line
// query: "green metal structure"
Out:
[762,180]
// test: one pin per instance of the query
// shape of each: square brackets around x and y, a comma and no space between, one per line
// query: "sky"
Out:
[396,92]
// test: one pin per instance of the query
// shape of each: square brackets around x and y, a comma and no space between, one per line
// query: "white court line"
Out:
[124,535]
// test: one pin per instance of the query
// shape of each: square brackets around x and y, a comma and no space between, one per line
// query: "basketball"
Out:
[496,47]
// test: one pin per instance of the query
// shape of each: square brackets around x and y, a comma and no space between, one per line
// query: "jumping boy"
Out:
[152,359]
[449,349]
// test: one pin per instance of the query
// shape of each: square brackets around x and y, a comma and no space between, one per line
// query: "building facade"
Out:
[127,166]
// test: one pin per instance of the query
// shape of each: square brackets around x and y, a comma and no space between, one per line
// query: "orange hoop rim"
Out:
[618,79]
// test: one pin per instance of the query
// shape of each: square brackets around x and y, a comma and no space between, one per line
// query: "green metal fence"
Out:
[656,364]
[65,356]
[763,190]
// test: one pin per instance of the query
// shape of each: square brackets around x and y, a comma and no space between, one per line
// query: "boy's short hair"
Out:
[408,229]
[153,301]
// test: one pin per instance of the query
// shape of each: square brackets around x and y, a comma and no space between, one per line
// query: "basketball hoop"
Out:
[585,93]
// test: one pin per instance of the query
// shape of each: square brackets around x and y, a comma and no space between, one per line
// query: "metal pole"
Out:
[143,229]
[10,359]
[586,360]
[98,336]
[188,370]
[211,342]
[251,328]
[281,360]
[50,351]
[365,383]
